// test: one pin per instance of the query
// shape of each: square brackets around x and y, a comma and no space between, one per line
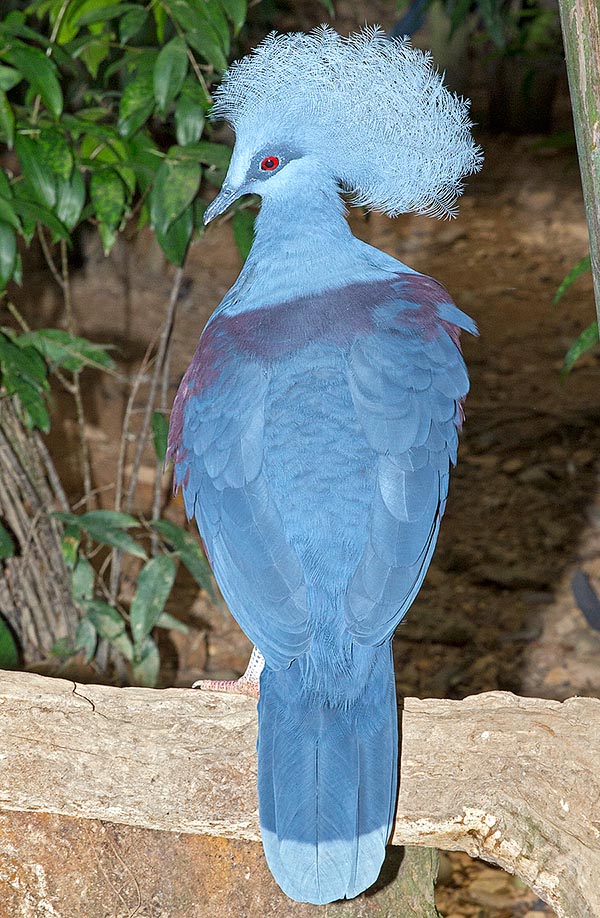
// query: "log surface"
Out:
[513,780]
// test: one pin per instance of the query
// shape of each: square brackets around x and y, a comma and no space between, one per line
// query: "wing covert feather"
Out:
[218,464]
[408,381]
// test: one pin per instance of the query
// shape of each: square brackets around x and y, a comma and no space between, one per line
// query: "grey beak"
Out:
[225,197]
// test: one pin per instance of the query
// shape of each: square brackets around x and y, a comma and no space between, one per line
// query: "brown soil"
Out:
[496,610]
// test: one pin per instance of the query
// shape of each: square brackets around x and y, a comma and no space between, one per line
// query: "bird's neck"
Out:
[302,245]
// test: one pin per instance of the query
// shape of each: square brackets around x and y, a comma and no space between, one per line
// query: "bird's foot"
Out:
[248,684]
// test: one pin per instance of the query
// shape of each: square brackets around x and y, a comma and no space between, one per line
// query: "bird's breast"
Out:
[334,316]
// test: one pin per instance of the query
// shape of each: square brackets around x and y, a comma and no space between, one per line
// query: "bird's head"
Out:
[272,170]
[367,112]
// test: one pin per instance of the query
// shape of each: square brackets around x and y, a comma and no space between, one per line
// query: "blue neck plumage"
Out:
[302,245]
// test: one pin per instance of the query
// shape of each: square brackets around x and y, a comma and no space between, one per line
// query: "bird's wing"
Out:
[408,380]
[217,445]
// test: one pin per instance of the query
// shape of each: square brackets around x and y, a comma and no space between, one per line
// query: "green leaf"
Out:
[459,13]
[104,146]
[170,72]
[82,580]
[72,18]
[160,434]
[61,349]
[175,187]
[137,104]
[146,160]
[7,120]
[34,412]
[189,120]
[123,645]
[23,362]
[86,638]
[55,152]
[207,44]
[9,77]
[105,13]
[218,19]
[171,623]
[106,620]
[213,154]
[41,181]
[576,271]
[109,198]
[107,527]
[187,549]
[492,20]
[70,199]
[131,23]
[40,71]
[63,649]
[160,19]
[175,241]
[8,215]
[154,585]
[146,663]
[196,92]
[9,653]
[586,341]
[17,379]
[33,213]
[7,545]
[69,545]
[243,232]
[18,272]
[5,186]
[112,518]
[199,211]
[236,11]
[8,254]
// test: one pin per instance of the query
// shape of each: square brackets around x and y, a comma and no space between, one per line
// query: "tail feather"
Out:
[327,783]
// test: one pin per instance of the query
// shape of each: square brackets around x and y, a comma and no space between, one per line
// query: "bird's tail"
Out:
[327,782]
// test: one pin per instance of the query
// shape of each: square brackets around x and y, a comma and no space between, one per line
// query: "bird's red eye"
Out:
[269,164]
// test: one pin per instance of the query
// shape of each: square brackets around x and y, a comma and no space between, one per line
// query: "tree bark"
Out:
[580,21]
[35,595]
[512,780]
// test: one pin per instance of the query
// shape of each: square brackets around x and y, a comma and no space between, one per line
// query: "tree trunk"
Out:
[35,596]
[580,20]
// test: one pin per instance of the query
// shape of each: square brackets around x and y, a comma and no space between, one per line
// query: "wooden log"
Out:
[513,780]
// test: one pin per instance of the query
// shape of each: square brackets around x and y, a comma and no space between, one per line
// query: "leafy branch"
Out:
[104,104]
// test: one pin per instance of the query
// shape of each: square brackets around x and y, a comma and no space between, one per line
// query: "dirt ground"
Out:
[497,610]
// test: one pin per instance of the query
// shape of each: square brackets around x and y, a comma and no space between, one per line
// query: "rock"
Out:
[512,465]
[493,889]
[512,576]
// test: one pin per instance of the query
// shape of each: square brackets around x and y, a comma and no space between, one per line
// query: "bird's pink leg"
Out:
[248,684]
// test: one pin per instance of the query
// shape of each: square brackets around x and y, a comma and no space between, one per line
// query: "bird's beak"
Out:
[227,195]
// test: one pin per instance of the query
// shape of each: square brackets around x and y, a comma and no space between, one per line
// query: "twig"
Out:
[52,474]
[17,316]
[191,58]
[84,452]
[160,465]
[93,493]
[163,345]
[116,554]
[48,258]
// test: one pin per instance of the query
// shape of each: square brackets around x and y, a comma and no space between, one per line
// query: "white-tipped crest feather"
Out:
[374,108]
